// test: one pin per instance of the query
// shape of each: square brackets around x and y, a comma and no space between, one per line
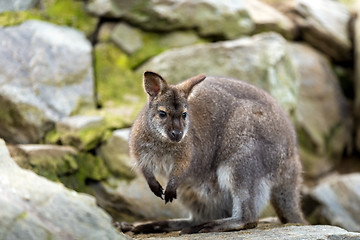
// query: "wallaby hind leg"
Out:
[247,206]
[157,226]
[285,197]
[286,203]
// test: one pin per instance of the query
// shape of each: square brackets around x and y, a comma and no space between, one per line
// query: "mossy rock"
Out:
[90,168]
[117,84]
[61,164]
[62,12]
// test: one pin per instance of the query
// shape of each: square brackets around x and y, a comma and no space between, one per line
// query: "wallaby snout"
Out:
[175,135]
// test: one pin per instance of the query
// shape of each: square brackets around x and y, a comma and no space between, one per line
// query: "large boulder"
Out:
[262,60]
[324,24]
[337,201]
[17,5]
[323,116]
[225,18]
[266,18]
[34,208]
[45,74]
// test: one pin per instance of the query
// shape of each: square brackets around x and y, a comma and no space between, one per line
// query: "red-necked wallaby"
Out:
[226,147]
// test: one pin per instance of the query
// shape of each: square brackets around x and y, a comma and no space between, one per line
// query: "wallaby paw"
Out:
[170,195]
[157,189]
[125,227]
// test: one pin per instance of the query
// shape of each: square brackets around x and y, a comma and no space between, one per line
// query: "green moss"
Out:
[152,46]
[15,18]
[90,167]
[52,167]
[62,12]
[52,137]
[117,84]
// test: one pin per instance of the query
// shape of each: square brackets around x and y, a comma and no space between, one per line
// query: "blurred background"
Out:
[71,86]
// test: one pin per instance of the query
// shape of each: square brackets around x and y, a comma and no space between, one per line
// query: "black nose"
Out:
[175,135]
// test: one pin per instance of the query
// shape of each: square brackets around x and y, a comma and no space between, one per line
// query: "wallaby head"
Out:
[167,110]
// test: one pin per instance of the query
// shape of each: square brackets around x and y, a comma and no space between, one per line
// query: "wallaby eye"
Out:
[162,114]
[184,115]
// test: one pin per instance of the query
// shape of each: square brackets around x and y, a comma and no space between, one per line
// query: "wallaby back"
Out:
[226,146]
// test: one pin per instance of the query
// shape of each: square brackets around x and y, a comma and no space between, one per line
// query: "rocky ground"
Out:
[70,88]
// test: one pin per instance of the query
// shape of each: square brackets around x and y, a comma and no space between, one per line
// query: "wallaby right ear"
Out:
[154,84]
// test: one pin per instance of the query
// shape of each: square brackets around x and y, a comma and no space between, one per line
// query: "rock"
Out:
[17,5]
[179,39]
[338,199]
[61,164]
[127,38]
[267,18]
[323,21]
[262,60]
[35,208]
[268,232]
[45,74]
[50,161]
[225,18]
[115,152]
[323,116]
[81,131]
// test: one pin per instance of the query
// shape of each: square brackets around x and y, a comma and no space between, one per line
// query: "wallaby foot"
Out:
[221,225]
[156,226]
[286,203]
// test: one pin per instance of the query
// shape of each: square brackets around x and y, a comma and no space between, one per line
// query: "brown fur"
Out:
[226,147]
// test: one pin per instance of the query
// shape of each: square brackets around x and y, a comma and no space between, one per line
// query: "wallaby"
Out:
[226,147]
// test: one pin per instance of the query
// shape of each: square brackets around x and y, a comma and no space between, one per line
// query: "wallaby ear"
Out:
[188,84]
[154,84]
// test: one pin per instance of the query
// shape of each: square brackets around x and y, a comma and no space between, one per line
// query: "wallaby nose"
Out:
[175,135]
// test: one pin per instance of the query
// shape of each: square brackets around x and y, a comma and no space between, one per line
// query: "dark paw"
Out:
[157,189]
[192,230]
[170,195]
[124,226]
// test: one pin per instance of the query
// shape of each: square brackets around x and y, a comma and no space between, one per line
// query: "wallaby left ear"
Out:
[154,84]
[188,84]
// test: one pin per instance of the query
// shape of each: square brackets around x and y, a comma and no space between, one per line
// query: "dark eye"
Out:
[184,115]
[162,114]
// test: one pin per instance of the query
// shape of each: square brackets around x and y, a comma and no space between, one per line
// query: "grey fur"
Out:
[234,150]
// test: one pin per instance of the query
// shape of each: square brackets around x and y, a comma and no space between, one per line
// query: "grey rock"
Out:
[262,60]
[17,5]
[179,39]
[339,201]
[83,132]
[324,24]
[226,18]
[45,74]
[115,152]
[126,37]
[79,122]
[323,116]
[275,232]
[35,208]
[267,18]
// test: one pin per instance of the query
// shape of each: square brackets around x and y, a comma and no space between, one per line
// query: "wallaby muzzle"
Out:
[175,135]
